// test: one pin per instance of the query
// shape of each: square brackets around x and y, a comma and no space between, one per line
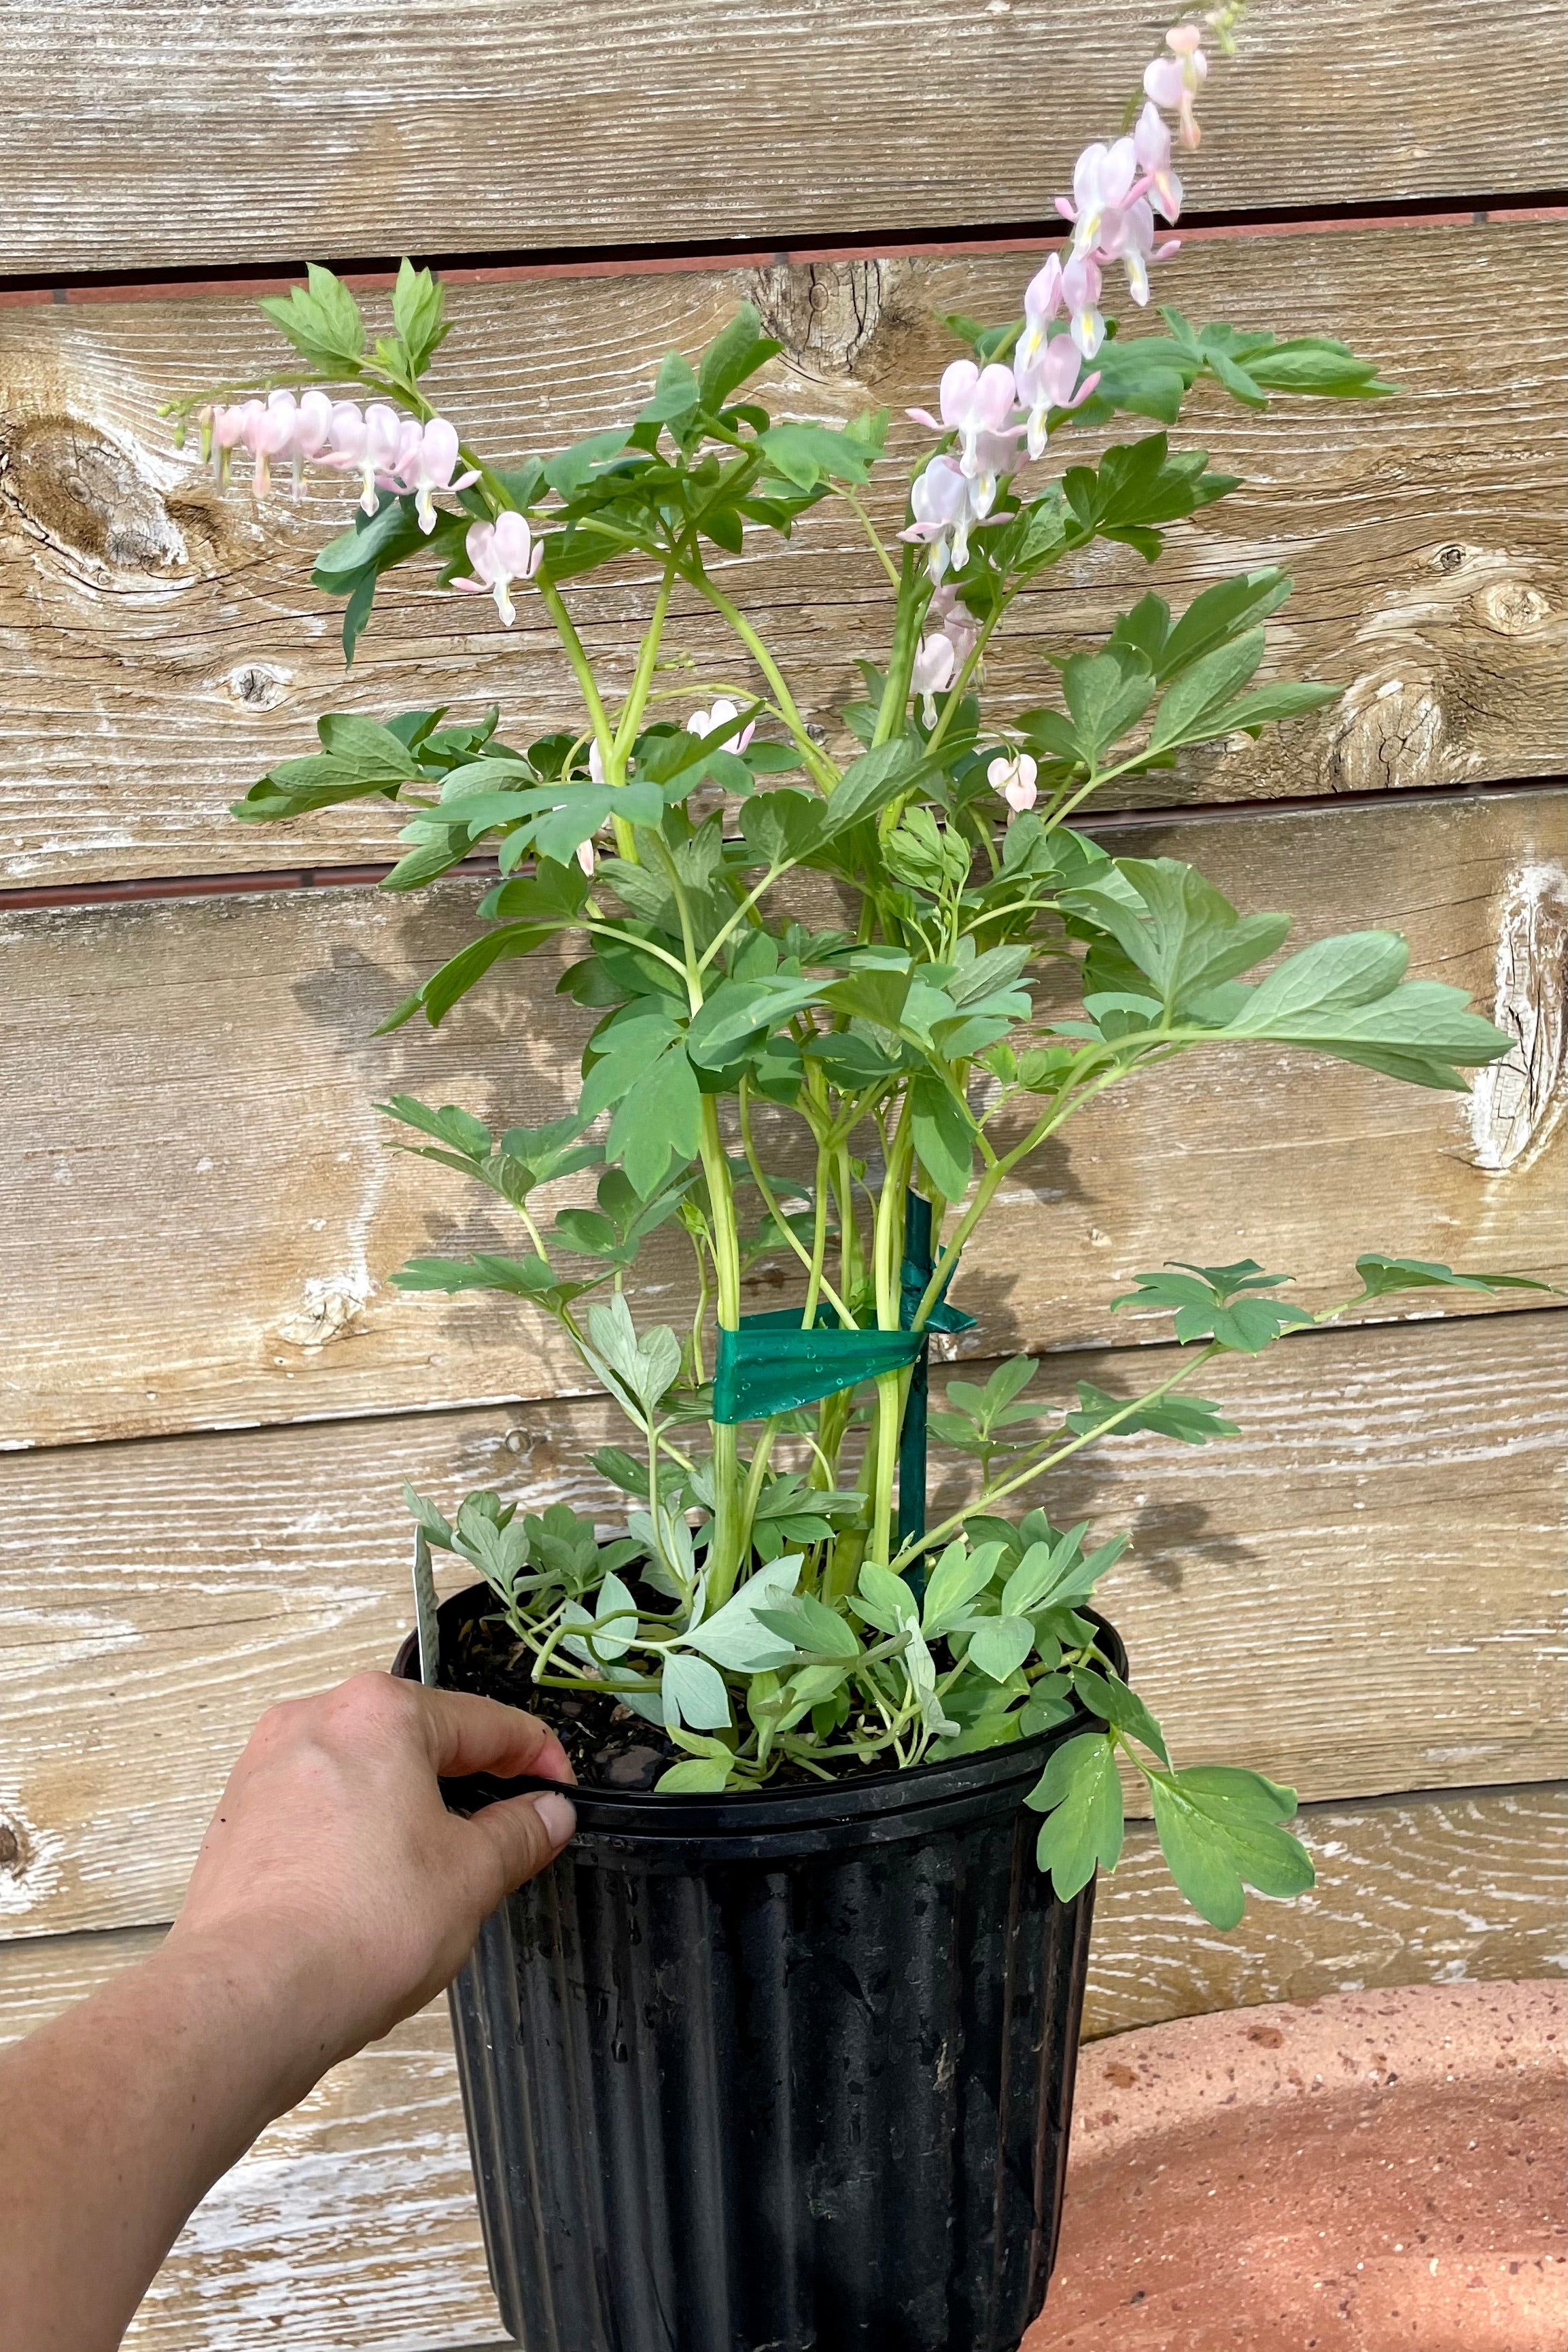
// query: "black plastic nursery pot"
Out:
[780,2072]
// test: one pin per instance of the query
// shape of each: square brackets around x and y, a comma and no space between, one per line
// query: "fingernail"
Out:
[558,1815]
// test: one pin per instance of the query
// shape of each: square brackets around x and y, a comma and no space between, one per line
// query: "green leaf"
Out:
[741,1011]
[1221,1829]
[957,1578]
[694,1693]
[736,352]
[782,827]
[698,1776]
[1352,969]
[943,1134]
[1104,1693]
[1193,1420]
[1204,688]
[1081,1794]
[1176,926]
[1049,1704]
[615,1617]
[427,1515]
[1211,1302]
[886,1601]
[1339,996]
[1220,614]
[658,1119]
[500,1553]
[446,986]
[736,1635]
[1252,713]
[458,1128]
[1382,1275]
[675,393]
[868,784]
[645,1364]
[524,1278]
[417,314]
[998,1645]
[1105,693]
[806,455]
[322,322]
[574,468]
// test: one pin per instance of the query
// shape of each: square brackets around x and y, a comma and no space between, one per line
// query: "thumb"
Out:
[521,1837]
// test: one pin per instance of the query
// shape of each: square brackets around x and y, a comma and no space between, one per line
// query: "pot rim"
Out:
[645,1812]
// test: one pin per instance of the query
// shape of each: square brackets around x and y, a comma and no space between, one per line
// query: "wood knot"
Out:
[83,495]
[259,686]
[834,319]
[14,1852]
[1387,733]
[1512,608]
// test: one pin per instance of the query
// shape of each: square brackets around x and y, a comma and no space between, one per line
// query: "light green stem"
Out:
[724,1542]
[1038,1468]
[817,760]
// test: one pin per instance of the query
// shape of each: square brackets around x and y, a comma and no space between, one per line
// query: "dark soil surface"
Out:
[609,1746]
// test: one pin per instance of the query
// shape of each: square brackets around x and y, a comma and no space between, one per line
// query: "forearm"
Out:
[333,1894]
[117,2118]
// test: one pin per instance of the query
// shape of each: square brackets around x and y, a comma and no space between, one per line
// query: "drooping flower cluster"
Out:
[389,452]
[995,413]
[1118,189]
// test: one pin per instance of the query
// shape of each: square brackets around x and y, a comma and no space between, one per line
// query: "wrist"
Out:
[251,1997]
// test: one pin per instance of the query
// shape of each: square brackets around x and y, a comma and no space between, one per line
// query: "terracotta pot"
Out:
[1377,2172]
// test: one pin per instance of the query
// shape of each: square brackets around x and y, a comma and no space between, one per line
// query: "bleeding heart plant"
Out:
[776,1083]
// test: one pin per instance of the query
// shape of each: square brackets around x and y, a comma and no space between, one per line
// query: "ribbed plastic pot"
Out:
[784,2072]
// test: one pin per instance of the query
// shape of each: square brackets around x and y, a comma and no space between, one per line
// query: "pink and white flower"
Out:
[1151,139]
[1014,779]
[1081,284]
[957,624]
[426,460]
[1103,181]
[1174,81]
[500,553]
[366,443]
[943,502]
[706,722]
[977,403]
[1049,380]
[228,433]
[1042,302]
[935,666]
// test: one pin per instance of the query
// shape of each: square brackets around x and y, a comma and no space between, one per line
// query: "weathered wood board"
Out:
[161,647]
[352,2223]
[1411,1890]
[199,1221]
[1356,1594]
[149,141]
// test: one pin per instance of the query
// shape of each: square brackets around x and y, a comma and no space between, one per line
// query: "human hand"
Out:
[332,1871]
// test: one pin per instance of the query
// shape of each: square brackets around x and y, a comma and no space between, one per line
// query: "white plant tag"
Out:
[424,1619]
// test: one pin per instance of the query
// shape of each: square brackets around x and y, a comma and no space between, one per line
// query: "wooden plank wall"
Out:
[208,1392]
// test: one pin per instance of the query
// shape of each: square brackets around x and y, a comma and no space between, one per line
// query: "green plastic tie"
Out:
[771,1365]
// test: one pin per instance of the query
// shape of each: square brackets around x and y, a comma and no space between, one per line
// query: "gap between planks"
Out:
[369,876]
[375,274]
[1455,1318]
